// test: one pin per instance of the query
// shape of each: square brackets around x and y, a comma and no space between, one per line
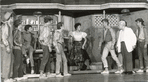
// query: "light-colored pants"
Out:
[106,50]
[61,58]
[30,50]
[7,63]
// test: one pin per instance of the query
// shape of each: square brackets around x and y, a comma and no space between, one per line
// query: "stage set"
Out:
[90,14]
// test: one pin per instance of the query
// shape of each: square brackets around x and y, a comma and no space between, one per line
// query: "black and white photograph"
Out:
[74,40]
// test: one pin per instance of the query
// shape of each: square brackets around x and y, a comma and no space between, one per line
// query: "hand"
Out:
[41,41]
[112,47]
[134,46]
[20,45]
[50,48]
[57,51]
[83,47]
[145,46]
[7,49]
[116,48]
[27,60]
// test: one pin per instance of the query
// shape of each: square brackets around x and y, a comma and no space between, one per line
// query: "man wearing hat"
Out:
[45,39]
[141,34]
[7,40]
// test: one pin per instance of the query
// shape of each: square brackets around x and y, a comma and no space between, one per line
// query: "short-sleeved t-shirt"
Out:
[78,36]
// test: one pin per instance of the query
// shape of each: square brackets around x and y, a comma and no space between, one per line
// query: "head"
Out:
[122,24]
[77,26]
[105,22]
[17,22]
[28,28]
[48,19]
[139,22]
[9,16]
[59,25]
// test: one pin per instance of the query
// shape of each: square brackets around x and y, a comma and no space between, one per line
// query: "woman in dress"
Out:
[78,45]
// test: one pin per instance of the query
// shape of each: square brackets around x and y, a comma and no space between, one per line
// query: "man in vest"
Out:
[142,44]
[108,39]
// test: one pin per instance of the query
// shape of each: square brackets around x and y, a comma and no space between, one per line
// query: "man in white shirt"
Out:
[125,45]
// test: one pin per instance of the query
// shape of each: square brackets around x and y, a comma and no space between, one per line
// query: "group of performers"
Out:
[21,48]
[126,42]
[17,45]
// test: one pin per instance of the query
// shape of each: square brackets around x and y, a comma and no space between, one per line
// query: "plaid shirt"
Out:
[46,34]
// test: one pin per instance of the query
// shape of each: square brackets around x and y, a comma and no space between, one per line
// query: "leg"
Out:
[104,55]
[31,59]
[140,54]
[45,58]
[120,58]
[127,58]
[145,57]
[6,64]
[114,56]
[17,62]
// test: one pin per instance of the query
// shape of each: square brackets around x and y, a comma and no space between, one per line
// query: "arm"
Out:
[5,35]
[85,40]
[101,40]
[113,36]
[146,37]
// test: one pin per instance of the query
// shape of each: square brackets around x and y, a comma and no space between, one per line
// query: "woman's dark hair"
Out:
[76,25]
[59,25]
[27,27]
[47,18]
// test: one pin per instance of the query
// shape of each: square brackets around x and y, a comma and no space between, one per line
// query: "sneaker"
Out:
[67,74]
[140,71]
[32,71]
[118,72]
[18,78]
[42,76]
[51,75]
[105,72]
[147,70]
[59,75]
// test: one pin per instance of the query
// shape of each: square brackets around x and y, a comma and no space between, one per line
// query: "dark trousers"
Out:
[18,63]
[45,60]
[142,53]
[127,58]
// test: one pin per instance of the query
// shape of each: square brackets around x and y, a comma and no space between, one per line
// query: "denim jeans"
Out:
[106,50]
[18,63]
[142,53]
[61,58]
[46,59]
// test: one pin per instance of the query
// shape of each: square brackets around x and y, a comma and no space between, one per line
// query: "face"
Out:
[121,25]
[138,23]
[79,28]
[104,24]
[30,29]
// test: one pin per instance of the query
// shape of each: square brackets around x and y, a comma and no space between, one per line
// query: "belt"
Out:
[140,40]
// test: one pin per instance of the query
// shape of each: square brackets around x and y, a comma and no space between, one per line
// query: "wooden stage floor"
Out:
[137,77]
